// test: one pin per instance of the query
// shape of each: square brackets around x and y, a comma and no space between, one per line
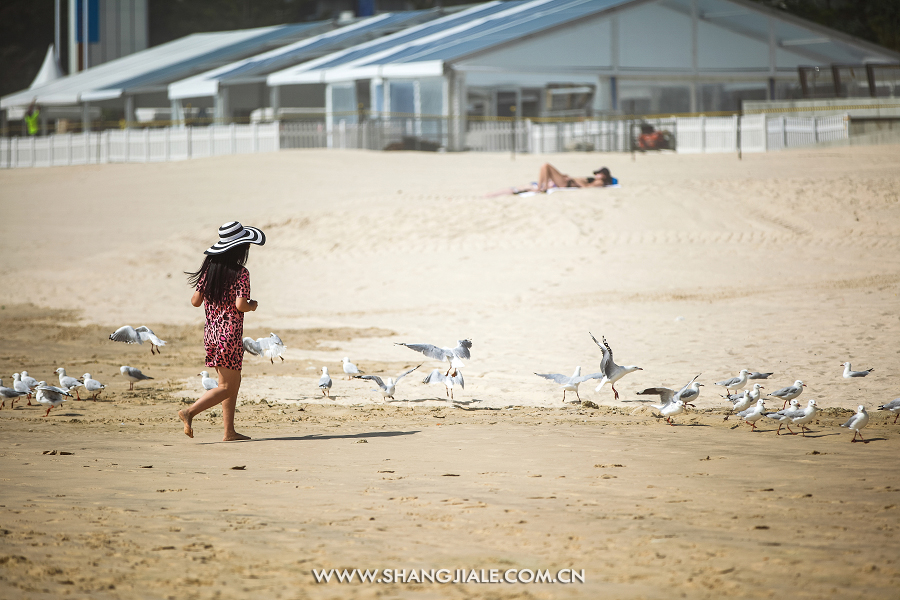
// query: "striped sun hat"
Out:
[233,234]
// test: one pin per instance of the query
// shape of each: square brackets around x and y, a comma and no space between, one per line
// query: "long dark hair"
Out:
[218,272]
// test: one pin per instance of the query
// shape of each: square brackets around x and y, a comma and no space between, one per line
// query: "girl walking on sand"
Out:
[223,285]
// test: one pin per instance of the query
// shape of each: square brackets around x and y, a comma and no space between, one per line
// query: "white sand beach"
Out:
[698,264]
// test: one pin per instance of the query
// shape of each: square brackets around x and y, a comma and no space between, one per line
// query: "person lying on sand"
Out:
[550,177]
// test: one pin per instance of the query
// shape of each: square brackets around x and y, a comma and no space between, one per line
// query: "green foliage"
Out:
[876,21]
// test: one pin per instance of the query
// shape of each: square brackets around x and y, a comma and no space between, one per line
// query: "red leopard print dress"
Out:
[224,332]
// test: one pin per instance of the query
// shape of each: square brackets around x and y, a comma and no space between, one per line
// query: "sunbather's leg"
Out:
[550,173]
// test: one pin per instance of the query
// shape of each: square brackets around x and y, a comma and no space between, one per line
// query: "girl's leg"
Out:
[226,394]
[230,404]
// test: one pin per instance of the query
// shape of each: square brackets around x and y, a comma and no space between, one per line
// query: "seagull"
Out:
[754,413]
[741,404]
[570,384]
[69,383]
[893,406]
[454,355]
[686,394]
[735,383]
[131,335]
[29,381]
[325,382]
[50,396]
[133,375]
[857,422]
[754,393]
[350,369]
[758,375]
[669,409]
[448,380]
[92,385]
[9,393]
[808,414]
[690,392]
[611,371]
[789,393]
[267,347]
[848,373]
[208,382]
[784,416]
[21,386]
[387,389]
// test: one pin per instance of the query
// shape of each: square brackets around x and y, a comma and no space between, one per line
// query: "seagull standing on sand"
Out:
[208,382]
[753,414]
[325,382]
[9,394]
[21,386]
[893,406]
[789,393]
[139,335]
[454,355]
[267,347]
[740,404]
[450,381]
[350,369]
[69,383]
[50,396]
[690,392]
[133,375]
[387,388]
[848,372]
[735,383]
[669,410]
[570,384]
[857,422]
[784,416]
[93,386]
[808,414]
[754,393]
[29,381]
[611,371]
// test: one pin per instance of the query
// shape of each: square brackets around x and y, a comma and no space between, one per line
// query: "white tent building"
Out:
[578,57]
[239,87]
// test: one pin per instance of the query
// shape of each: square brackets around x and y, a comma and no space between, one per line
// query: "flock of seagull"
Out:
[452,378]
[747,405]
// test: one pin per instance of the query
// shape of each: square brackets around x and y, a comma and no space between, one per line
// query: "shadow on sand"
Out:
[316,437]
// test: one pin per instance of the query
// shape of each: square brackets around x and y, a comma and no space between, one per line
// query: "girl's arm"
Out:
[197,299]
[244,305]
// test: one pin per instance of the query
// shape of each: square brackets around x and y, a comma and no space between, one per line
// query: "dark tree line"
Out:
[876,21]
[26,26]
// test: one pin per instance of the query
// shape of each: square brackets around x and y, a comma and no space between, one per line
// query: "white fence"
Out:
[754,133]
[138,145]
[785,132]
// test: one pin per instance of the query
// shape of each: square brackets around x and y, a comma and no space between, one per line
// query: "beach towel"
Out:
[553,190]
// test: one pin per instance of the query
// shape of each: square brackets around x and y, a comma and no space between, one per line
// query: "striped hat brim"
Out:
[234,234]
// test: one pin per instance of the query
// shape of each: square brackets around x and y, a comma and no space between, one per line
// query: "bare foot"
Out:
[234,436]
[186,419]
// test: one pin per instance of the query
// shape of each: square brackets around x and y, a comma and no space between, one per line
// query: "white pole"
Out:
[57,34]
[84,34]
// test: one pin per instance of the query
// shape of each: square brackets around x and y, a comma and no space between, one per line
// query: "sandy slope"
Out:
[698,264]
